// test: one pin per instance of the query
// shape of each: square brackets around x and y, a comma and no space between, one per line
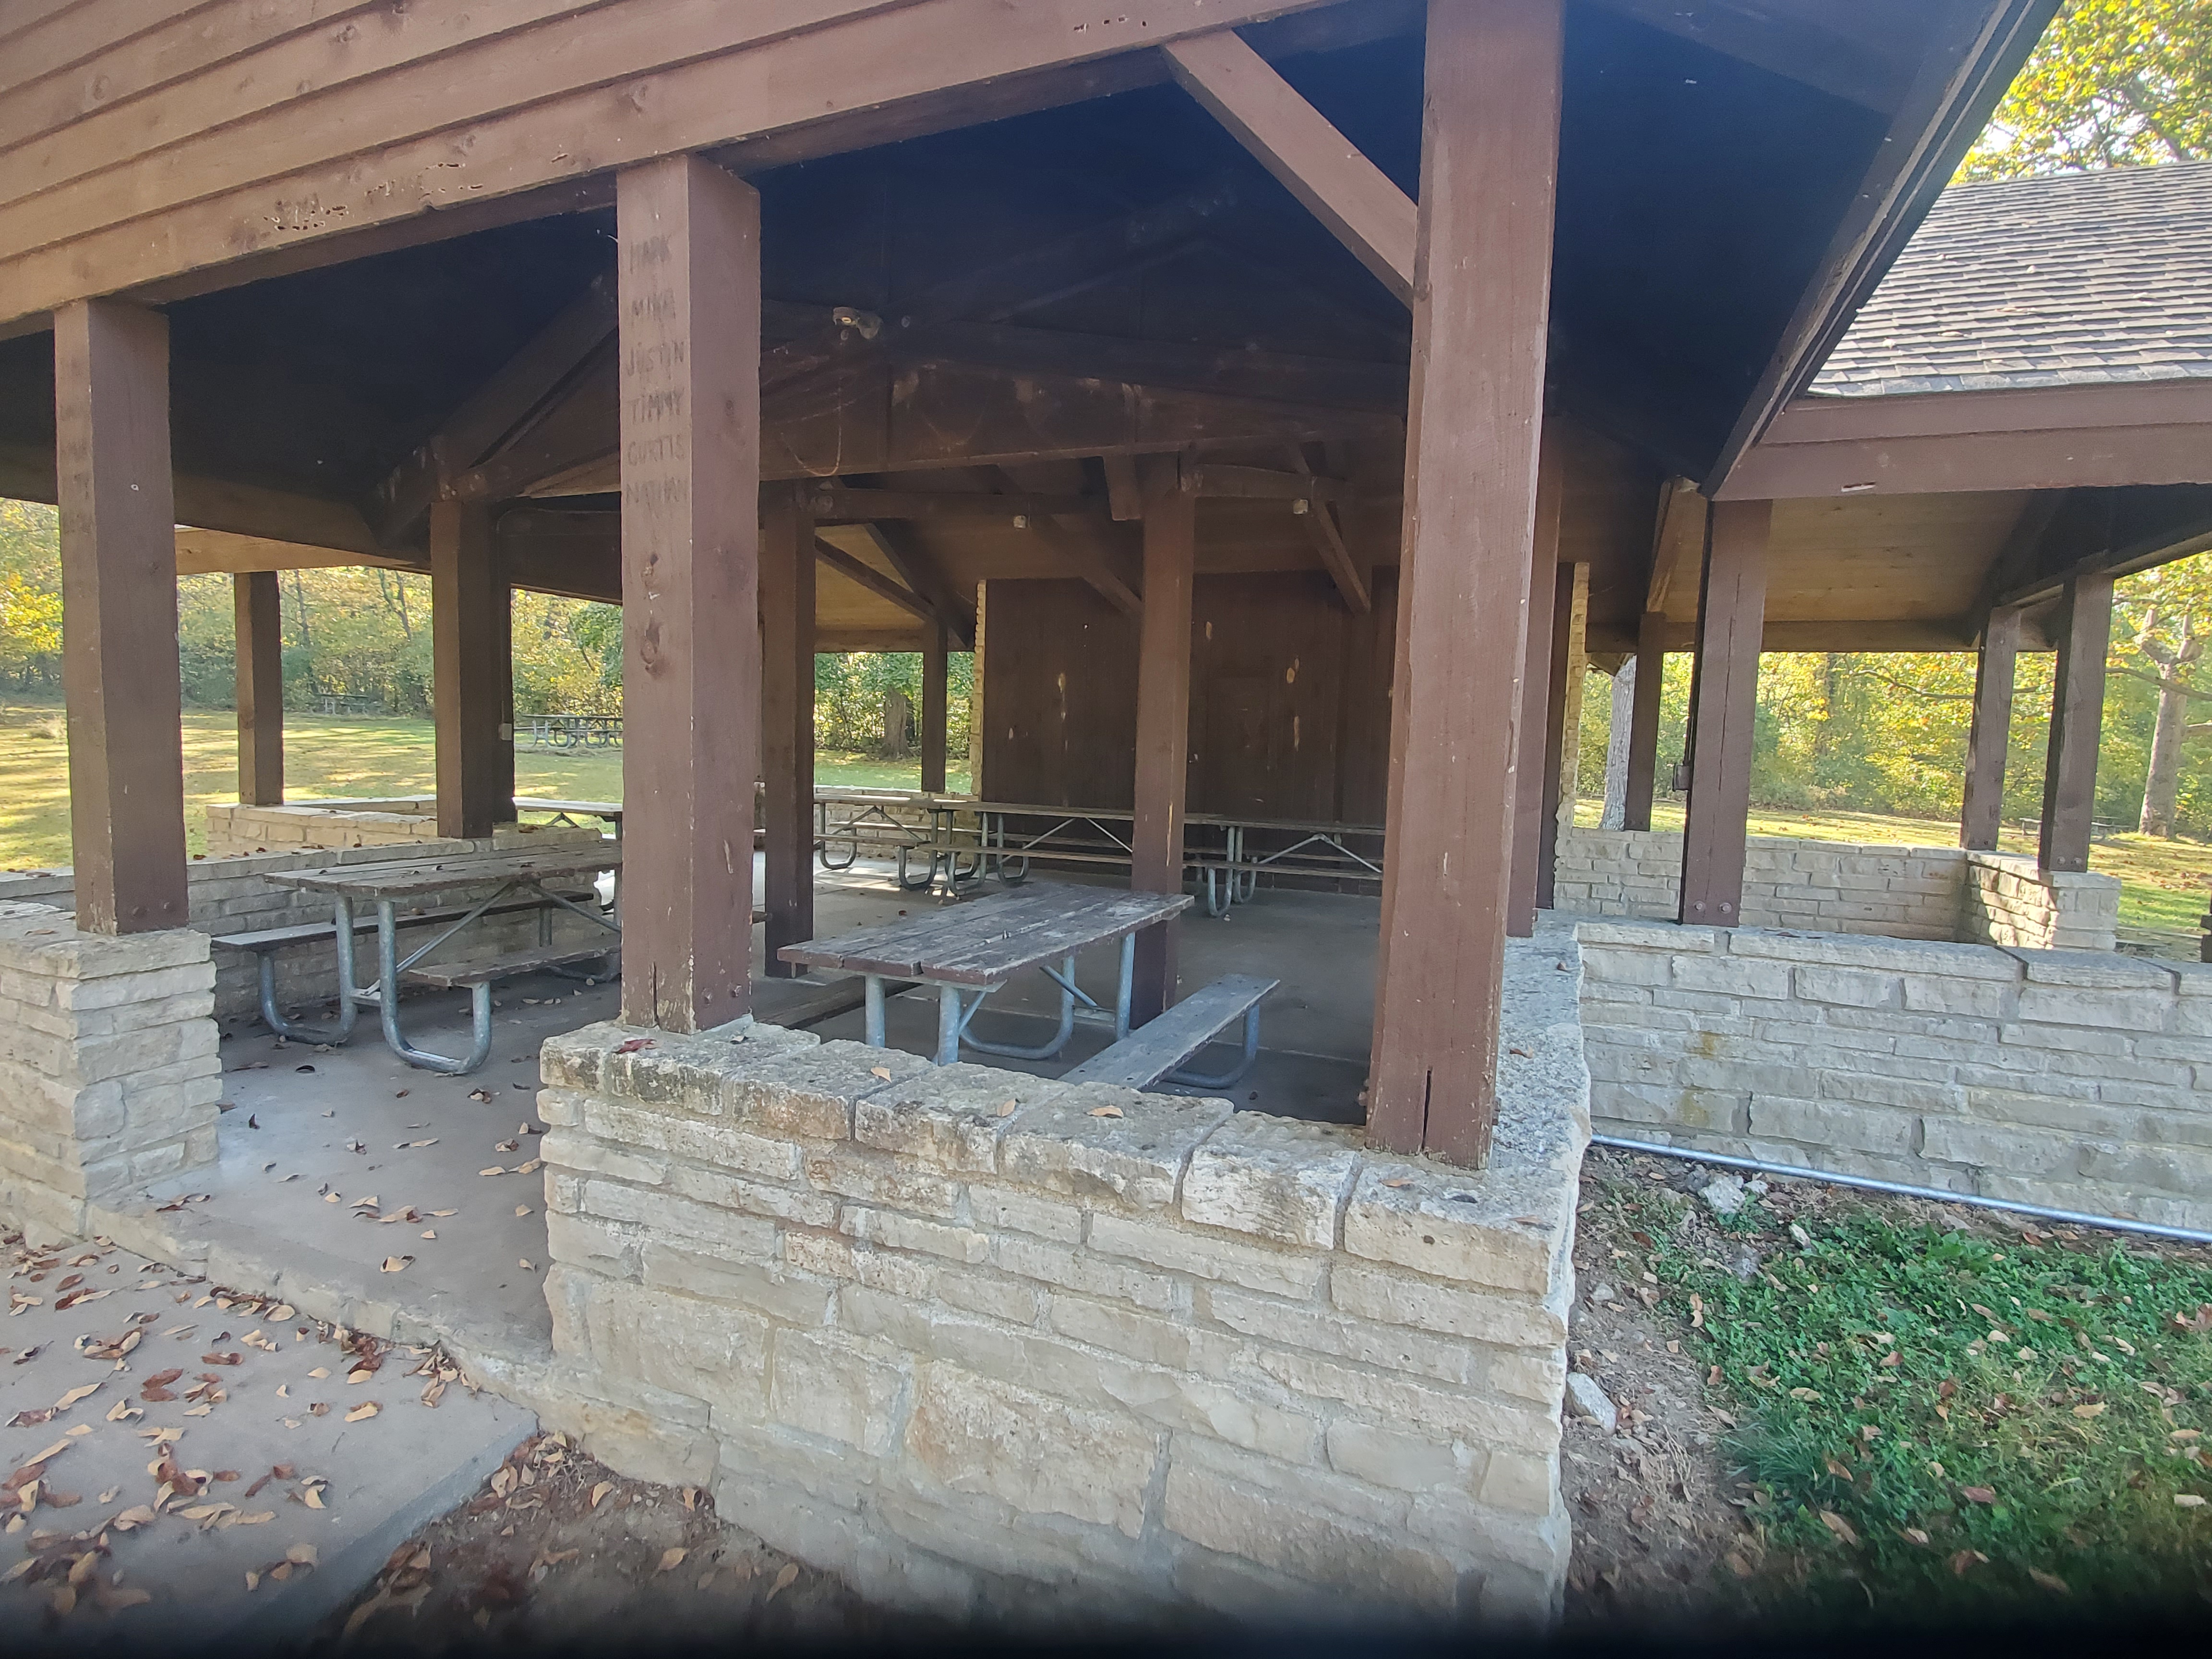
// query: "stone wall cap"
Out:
[42,939]
[2103,970]
[1097,1139]
[1646,933]
[1909,956]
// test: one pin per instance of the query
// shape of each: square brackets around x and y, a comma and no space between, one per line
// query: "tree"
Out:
[2165,623]
[2111,83]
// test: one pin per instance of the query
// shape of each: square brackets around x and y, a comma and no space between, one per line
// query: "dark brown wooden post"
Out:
[1171,522]
[689,255]
[119,545]
[1723,705]
[1981,815]
[1643,725]
[2084,628]
[502,750]
[1481,300]
[1566,664]
[1538,717]
[934,713]
[469,674]
[257,608]
[786,602]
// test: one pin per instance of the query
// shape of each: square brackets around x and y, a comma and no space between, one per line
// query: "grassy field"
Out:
[2164,883]
[323,757]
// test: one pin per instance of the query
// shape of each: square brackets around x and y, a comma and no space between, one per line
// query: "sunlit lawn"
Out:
[2164,883]
[323,756]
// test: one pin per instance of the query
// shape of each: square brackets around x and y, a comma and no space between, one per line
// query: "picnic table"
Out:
[388,885]
[608,812]
[968,950]
[970,838]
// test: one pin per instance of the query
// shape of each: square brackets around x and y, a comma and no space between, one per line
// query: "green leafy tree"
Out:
[2162,623]
[2111,83]
[30,596]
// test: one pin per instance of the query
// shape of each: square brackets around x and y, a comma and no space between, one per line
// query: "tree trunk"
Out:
[2163,783]
[1616,747]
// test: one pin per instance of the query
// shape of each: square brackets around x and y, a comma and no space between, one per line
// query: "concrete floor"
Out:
[337,1161]
[281,1397]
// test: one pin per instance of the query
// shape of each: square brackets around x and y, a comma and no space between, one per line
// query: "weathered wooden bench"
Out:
[265,942]
[1160,1049]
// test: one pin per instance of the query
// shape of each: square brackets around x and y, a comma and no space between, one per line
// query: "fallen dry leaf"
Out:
[599,1492]
[366,1409]
[633,1045]
[494,1170]
[2189,1500]
[2096,1410]
[1106,1111]
[672,1557]
[2050,1580]
[75,1395]
[1978,1494]
[784,1581]
[1836,1524]
[302,1555]
[397,1264]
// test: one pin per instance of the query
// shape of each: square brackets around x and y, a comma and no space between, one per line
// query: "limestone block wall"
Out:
[2081,1080]
[1899,892]
[2010,902]
[233,895]
[108,1073]
[975,1340]
[233,829]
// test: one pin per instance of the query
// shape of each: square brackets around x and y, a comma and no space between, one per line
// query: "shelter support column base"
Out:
[2077,714]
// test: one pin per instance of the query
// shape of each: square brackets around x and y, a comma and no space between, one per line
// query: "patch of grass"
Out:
[1934,1425]
[323,756]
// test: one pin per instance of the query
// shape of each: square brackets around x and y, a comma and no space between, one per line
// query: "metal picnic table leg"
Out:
[348,999]
[949,1022]
[387,968]
[1124,992]
[873,986]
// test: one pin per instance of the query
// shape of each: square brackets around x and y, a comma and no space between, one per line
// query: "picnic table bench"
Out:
[967,951]
[387,885]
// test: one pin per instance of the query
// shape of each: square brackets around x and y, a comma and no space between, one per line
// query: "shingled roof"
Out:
[2064,280]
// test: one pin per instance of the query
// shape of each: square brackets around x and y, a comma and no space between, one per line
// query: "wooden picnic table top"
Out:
[411,878]
[988,941]
[597,808]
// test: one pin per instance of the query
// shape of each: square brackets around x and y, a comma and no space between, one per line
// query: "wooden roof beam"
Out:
[1299,145]
[918,569]
[1085,549]
[473,431]
[867,576]
[835,503]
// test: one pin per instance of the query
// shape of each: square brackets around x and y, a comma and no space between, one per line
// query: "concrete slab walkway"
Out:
[181,1465]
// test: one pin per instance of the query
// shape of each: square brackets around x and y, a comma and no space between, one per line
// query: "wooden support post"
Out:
[1561,716]
[119,545]
[1537,716]
[1981,815]
[1481,302]
[786,602]
[1723,705]
[1643,723]
[257,615]
[502,749]
[1163,722]
[2084,629]
[470,675]
[934,711]
[689,236]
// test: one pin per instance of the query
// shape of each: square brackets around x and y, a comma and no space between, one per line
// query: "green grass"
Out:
[2164,884]
[323,756]
[1934,1424]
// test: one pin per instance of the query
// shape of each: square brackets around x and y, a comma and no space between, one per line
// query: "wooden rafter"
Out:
[473,431]
[921,572]
[1296,143]
[1084,550]
[867,576]
[835,503]
[1319,520]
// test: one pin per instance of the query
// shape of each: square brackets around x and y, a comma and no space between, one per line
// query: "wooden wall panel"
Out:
[1290,702]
